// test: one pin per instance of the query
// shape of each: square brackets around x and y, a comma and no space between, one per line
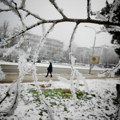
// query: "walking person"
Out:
[49,70]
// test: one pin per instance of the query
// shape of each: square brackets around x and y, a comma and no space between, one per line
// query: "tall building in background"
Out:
[50,47]
[107,54]
[82,55]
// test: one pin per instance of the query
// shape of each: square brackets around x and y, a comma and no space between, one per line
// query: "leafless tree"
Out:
[4,29]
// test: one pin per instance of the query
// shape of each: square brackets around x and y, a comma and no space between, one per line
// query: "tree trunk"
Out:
[118,92]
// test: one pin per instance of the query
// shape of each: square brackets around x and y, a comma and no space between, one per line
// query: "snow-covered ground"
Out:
[97,105]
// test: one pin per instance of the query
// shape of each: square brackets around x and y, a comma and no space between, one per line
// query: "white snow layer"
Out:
[99,107]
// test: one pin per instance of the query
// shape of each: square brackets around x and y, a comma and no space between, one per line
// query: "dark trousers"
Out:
[49,73]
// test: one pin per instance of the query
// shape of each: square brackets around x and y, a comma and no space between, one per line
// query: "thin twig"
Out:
[65,20]
[32,14]
[7,3]
[88,9]
[41,42]
[72,36]
[7,95]
[19,15]
[58,9]
[23,31]
[5,10]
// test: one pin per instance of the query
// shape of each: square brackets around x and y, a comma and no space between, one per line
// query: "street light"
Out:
[93,44]
[94,38]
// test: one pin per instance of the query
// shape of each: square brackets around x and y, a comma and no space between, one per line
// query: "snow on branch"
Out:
[72,61]
[60,21]
[113,28]
[34,74]
[58,9]
[10,109]
[19,15]
[116,3]
[13,48]
[101,17]
[41,95]
[72,36]
[41,42]
[23,31]
[11,6]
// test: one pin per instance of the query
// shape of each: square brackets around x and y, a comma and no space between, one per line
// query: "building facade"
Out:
[50,47]
[82,55]
[107,55]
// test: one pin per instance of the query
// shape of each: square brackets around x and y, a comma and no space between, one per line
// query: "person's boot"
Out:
[50,75]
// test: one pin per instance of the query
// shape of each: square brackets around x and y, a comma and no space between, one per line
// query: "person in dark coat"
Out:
[49,70]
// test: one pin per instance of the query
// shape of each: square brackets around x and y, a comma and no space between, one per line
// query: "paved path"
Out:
[12,73]
[10,77]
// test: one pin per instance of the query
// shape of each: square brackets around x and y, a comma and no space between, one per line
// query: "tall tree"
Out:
[112,13]
[4,31]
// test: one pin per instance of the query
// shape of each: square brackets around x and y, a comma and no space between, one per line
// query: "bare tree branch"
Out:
[11,109]
[7,95]
[7,3]
[19,15]
[5,10]
[115,5]
[58,9]
[23,31]
[88,9]
[72,36]
[64,20]
[32,14]
[41,42]
[13,7]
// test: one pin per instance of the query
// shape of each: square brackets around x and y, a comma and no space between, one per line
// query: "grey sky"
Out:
[72,8]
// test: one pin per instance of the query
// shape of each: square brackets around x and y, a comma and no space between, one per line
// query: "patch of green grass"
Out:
[83,95]
[63,93]
[60,93]
[35,94]
[79,94]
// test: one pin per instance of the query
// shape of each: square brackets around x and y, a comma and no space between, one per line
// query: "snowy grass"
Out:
[98,104]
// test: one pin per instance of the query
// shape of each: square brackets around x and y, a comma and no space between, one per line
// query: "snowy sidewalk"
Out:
[10,77]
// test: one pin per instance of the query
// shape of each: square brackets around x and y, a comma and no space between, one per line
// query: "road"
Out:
[12,72]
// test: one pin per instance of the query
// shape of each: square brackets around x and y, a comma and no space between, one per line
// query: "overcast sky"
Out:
[72,8]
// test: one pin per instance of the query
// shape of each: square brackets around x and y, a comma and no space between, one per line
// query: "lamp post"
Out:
[93,45]
[94,38]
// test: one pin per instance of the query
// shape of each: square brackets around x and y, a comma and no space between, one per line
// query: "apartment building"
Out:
[50,46]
